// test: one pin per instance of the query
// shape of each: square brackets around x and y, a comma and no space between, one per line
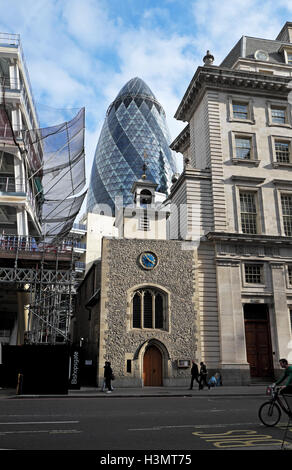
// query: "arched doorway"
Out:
[152,367]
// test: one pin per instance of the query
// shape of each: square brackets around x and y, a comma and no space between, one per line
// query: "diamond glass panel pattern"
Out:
[135,123]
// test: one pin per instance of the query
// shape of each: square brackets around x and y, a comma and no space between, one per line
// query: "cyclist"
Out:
[287,375]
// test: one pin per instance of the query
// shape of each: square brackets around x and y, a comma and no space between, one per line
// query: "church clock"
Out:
[148,260]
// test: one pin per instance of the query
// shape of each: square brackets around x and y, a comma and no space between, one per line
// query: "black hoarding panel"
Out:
[44,369]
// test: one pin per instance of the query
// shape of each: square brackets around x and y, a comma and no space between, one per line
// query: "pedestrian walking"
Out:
[104,384]
[203,376]
[194,374]
[108,375]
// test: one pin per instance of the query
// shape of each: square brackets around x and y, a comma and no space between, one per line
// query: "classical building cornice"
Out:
[247,238]
[189,173]
[248,179]
[232,80]
[182,142]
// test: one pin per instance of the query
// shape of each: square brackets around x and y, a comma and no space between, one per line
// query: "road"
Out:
[159,423]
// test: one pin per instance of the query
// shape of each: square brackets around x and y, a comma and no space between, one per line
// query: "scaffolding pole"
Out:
[51,290]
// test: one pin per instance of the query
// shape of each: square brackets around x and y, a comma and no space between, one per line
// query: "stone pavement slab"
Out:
[94,392]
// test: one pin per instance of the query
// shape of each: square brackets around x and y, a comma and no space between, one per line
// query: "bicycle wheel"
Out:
[269,413]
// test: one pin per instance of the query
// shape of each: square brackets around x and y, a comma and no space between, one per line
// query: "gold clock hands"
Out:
[149,259]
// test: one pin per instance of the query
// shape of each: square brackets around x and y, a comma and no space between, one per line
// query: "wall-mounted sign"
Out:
[183,363]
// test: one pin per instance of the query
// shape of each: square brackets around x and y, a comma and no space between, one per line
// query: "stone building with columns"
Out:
[238,174]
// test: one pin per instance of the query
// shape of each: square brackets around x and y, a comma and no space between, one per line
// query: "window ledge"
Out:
[245,161]
[247,121]
[281,164]
[248,285]
[274,124]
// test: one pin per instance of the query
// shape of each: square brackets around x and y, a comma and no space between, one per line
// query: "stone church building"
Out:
[213,280]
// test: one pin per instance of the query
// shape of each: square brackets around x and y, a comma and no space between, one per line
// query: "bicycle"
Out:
[270,412]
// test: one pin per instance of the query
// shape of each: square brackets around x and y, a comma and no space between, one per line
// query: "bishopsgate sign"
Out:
[74,381]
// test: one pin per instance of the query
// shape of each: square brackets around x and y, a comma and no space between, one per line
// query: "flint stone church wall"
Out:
[122,273]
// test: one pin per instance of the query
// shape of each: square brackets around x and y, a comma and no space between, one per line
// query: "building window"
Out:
[253,273]
[248,212]
[289,58]
[129,366]
[286,200]
[148,306]
[283,151]
[290,275]
[144,222]
[243,147]
[240,110]
[137,310]
[145,197]
[278,114]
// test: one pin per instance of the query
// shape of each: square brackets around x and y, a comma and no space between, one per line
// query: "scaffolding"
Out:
[43,267]
[62,173]
[46,274]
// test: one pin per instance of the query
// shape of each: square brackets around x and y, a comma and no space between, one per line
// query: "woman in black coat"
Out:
[108,373]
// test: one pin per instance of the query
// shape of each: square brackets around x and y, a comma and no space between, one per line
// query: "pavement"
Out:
[127,392]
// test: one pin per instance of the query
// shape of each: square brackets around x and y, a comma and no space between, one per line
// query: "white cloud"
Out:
[220,24]
[56,84]
[88,22]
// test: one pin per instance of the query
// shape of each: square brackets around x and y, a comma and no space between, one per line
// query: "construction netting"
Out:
[62,173]
[55,167]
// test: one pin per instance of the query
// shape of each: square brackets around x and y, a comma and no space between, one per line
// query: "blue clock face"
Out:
[148,260]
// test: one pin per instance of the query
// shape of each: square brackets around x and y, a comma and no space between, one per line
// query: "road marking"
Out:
[40,422]
[239,438]
[196,426]
[52,431]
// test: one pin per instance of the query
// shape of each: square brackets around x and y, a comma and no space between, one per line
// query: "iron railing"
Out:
[29,243]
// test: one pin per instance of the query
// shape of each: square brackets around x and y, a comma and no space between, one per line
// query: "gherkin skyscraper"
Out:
[135,125]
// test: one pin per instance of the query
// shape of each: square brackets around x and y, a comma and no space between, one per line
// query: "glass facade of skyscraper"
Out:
[135,125]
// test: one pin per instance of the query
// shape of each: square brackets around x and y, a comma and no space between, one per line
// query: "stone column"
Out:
[14,76]
[22,222]
[281,320]
[235,368]
[19,173]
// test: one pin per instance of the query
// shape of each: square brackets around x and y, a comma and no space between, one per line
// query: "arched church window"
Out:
[148,309]
[137,310]
[158,311]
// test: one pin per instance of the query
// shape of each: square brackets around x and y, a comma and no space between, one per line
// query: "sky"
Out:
[80,53]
